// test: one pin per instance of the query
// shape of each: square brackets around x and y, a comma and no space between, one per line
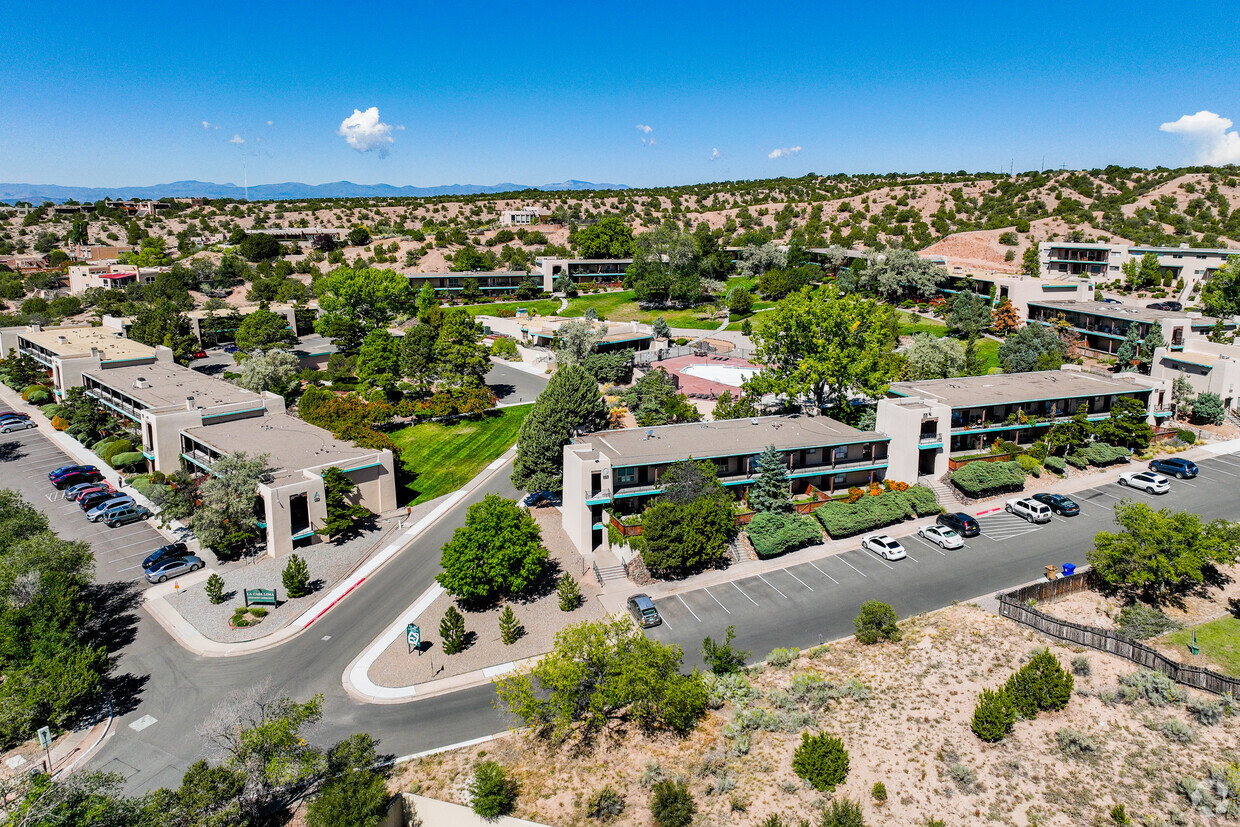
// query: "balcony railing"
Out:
[930,438]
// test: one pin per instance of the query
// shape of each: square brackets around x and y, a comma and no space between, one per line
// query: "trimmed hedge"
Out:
[126,458]
[980,479]
[841,519]
[1099,453]
[772,533]
[1055,464]
[112,449]
[1030,465]
[1077,460]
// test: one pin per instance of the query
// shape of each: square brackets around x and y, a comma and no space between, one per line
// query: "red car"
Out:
[202,354]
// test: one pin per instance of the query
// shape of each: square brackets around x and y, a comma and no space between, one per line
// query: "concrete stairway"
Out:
[942,492]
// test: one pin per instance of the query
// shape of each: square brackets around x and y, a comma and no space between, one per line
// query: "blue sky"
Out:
[478,92]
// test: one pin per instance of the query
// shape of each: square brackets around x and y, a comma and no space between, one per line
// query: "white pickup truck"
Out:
[1031,510]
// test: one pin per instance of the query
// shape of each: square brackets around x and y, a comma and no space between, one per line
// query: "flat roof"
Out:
[703,440]
[1192,357]
[1009,388]
[291,444]
[1114,311]
[77,341]
[167,383]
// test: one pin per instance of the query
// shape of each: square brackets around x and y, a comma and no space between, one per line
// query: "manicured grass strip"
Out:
[622,306]
[445,456]
[911,323]
[1219,641]
[542,307]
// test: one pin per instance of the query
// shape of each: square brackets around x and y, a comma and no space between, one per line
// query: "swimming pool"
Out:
[733,375]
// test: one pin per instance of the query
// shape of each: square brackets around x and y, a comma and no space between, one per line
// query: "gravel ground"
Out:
[540,617]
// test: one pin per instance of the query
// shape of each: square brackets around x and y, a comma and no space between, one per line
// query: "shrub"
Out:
[452,631]
[1208,409]
[843,812]
[568,592]
[879,791]
[672,804]
[50,410]
[509,627]
[1041,685]
[821,760]
[1148,685]
[1186,436]
[1074,744]
[40,396]
[1080,666]
[126,459]
[1119,816]
[505,348]
[1100,454]
[779,658]
[1077,460]
[994,716]
[492,792]
[844,519]
[1055,464]
[215,589]
[605,805]
[1142,621]
[59,423]
[876,621]
[258,611]
[1205,711]
[1029,465]
[1173,730]
[980,479]
[773,533]
[296,577]
[722,658]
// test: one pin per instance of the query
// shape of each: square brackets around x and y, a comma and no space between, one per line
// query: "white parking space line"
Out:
[840,557]
[911,557]
[1221,471]
[712,597]
[772,585]
[686,605]
[824,574]
[747,597]
[799,580]
[1226,459]
[929,544]
[1186,482]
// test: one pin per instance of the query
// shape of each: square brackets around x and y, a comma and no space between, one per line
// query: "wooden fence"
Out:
[1016,606]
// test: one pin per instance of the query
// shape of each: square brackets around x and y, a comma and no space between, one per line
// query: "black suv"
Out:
[961,523]
[1168,305]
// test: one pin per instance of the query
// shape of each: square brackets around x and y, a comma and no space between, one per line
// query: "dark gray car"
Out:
[643,611]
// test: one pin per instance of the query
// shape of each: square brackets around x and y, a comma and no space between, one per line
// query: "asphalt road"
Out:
[808,603]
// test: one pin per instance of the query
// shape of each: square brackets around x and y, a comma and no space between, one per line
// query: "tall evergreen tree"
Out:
[1152,342]
[570,401]
[770,490]
[1130,349]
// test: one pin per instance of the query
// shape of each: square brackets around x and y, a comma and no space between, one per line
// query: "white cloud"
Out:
[365,132]
[714,154]
[1206,132]
[649,141]
[209,125]
[784,152]
[644,128]
[271,123]
[236,139]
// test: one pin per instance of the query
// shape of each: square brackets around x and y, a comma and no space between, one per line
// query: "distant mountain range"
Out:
[38,193]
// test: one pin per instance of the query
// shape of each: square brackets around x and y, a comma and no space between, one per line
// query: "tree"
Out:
[824,346]
[460,356]
[379,360]
[1006,319]
[721,658]
[492,791]
[570,403]
[1127,424]
[470,293]
[969,314]
[1160,553]
[758,259]
[681,538]
[1182,395]
[671,803]
[259,247]
[933,357]
[272,371]
[296,577]
[739,301]
[876,621]
[359,237]
[994,717]
[1153,340]
[342,515]
[568,592]
[726,407]
[662,330]
[78,232]
[1033,347]
[1072,433]
[602,672]
[1129,351]
[771,490]
[357,798]
[897,272]
[666,267]
[263,329]
[354,302]
[654,400]
[215,589]
[1220,295]
[509,626]
[1208,409]
[452,631]
[1029,264]
[575,340]
[162,323]
[821,760]
[224,521]
[497,553]
[609,238]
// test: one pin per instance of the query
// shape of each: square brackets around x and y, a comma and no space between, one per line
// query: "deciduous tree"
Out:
[1033,347]
[933,357]
[497,553]
[272,371]
[263,329]
[609,238]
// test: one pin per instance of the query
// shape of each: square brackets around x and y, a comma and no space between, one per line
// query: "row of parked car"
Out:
[11,421]
[99,501]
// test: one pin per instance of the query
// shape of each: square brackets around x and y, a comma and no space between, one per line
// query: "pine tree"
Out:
[994,717]
[1130,349]
[452,631]
[215,589]
[1029,262]
[770,491]
[571,400]
[509,626]
[296,577]
[1152,342]
[569,593]
[662,330]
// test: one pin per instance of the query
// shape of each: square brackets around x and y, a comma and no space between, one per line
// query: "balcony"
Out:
[1034,422]
[599,497]
[199,458]
[924,438]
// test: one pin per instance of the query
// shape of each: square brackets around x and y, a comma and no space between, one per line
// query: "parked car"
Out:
[1031,510]
[230,348]
[199,354]
[53,475]
[1167,305]
[941,536]
[95,498]
[84,489]
[172,567]
[1058,503]
[17,414]
[1112,301]
[643,611]
[961,523]
[7,426]
[884,546]
[1181,469]
[172,551]
[124,514]
[1147,481]
[100,511]
[75,477]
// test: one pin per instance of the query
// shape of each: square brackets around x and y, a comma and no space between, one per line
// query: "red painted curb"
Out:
[988,511]
[329,606]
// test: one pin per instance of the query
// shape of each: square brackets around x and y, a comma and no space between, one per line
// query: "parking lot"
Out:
[25,459]
[808,602]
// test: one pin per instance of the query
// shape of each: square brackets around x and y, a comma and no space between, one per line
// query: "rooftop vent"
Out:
[62,339]
[141,382]
[189,403]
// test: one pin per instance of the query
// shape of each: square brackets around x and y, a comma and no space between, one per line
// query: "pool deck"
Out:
[695,387]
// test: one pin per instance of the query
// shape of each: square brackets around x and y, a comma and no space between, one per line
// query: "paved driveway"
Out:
[25,459]
[806,603]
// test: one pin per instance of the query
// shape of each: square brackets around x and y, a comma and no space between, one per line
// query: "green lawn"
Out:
[621,306]
[445,456]
[542,307]
[911,323]
[1219,641]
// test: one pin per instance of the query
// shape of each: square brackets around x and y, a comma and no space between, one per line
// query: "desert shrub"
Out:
[1142,621]
[1029,465]
[1080,666]
[782,657]
[1041,685]
[1055,464]
[1074,744]
[1077,460]
[731,687]
[652,773]
[962,775]
[1147,685]
[773,533]
[1173,730]
[1216,795]
[980,479]
[879,791]
[876,621]
[842,812]
[994,716]
[1100,453]
[1119,816]
[1205,711]
[821,760]
[492,792]
[1186,436]
[672,804]
[844,519]
[605,805]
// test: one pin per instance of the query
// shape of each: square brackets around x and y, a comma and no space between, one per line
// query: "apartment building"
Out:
[1104,325]
[1104,261]
[491,282]
[97,252]
[68,352]
[521,217]
[109,275]
[602,271]
[1208,366]
[618,471]
[930,421]
[1021,290]
[615,336]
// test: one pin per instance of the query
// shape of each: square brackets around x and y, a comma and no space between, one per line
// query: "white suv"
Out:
[1031,510]
[1147,481]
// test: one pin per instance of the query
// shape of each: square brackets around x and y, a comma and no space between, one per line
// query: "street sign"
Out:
[414,636]
[45,737]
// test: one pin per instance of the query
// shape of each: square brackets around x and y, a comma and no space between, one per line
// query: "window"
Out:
[841,453]
[626,476]
[839,480]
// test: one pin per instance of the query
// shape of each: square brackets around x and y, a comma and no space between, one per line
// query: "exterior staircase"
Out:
[942,492]
[606,573]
